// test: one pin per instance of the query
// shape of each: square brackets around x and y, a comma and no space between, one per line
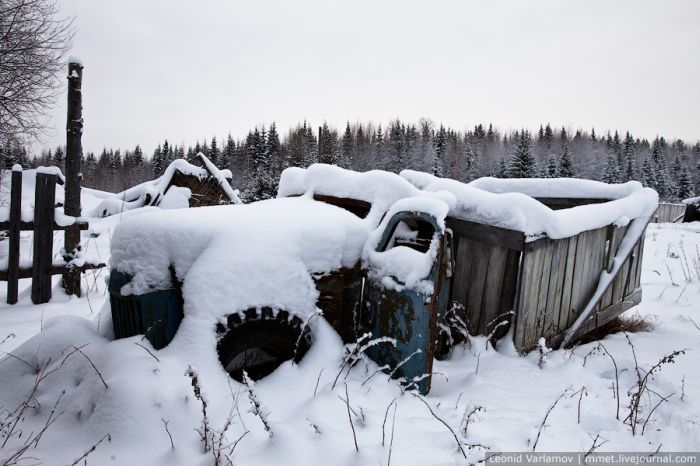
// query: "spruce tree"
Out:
[440,144]
[648,177]
[610,172]
[565,167]
[273,146]
[214,154]
[522,163]
[658,167]
[158,162]
[347,147]
[469,161]
[396,144]
[684,186]
[630,163]
[59,158]
[502,169]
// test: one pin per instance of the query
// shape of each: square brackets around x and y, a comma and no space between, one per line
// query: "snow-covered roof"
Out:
[147,192]
[265,253]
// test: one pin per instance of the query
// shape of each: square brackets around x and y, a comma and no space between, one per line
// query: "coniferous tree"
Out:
[648,177]
[273,146]
[440,149]
[658,167]
[630,163]
[59,158]
[565,167]
[469,161]
[328,145]
[158,162]
[522,163]
[610,172]
[502,170]
[684,186]
[214,153]
[549,170]
[310,146]
[378,148]
[347,147]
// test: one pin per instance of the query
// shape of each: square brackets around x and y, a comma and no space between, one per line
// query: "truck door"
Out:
[406,292]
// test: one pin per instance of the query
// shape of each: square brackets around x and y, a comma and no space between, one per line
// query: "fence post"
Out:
[74,131]
[14,233]
[44,206]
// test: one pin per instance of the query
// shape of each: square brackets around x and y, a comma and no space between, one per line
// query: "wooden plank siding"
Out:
[669,212]
[544,284]
[483,282]
[558,278]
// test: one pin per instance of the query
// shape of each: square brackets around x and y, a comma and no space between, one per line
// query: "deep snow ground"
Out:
[309,418]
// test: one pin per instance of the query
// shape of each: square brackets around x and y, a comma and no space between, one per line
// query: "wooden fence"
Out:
[669,212]
[43,226]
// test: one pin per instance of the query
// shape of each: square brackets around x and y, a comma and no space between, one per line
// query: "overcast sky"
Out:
[188,70]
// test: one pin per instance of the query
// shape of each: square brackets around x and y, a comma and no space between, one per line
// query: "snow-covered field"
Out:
[61,371]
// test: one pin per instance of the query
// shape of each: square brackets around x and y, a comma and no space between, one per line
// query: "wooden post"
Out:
[44,207]
[74,131]
[14,232]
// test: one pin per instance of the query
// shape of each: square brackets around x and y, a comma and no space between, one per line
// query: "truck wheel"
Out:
[260,341]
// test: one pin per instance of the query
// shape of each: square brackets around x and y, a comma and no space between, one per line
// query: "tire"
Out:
[260,342]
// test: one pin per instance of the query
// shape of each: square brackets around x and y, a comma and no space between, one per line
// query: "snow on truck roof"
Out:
[265,253]
[505,203]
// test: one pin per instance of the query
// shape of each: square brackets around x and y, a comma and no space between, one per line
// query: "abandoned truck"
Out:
[423,261]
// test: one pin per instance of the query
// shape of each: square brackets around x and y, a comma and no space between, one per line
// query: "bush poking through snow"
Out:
[355,352]
[642,386]
[257,407]
[205,430]
[544,421]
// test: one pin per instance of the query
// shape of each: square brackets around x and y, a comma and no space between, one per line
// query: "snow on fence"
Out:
[669,212]
[44,220]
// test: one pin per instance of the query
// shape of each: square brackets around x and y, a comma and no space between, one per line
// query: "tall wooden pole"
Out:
[15,219]
[74,149]
[44,217]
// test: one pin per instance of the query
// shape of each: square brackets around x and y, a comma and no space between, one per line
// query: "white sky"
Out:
[186,70]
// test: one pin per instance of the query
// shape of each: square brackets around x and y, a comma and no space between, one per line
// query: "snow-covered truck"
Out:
[417,261]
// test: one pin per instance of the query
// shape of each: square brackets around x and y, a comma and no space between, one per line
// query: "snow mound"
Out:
[379,188]
[265,253]
[507,207]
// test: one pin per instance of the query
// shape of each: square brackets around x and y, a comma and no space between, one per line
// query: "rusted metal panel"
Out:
[408,316]
[156,315]
[340,295]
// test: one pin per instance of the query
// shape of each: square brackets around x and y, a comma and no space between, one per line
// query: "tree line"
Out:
[672,168]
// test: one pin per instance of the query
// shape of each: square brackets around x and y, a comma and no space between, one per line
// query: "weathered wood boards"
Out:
[43,237]
[545,283]
[559,277]
[42,227]
[669,212]
[485,274]
[13,232]
[74,150]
